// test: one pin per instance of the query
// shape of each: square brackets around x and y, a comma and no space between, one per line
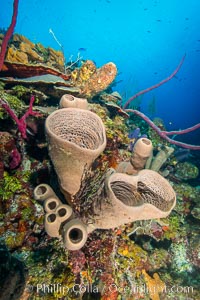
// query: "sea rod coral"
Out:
[161,133]
[21,122]
[9,33]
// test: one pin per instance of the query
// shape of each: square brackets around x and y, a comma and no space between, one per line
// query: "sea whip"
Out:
[8,33]
[161,133]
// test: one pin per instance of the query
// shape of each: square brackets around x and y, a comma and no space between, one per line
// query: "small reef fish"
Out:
[82,49]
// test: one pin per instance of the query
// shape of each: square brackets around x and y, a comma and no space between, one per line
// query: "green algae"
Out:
[9,185]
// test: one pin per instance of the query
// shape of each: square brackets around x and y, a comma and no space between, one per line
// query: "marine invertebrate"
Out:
[162,133]
[144,196]
[67,101]
[26,59]
[23,70]
[21,123]
[161,158]
[156,85]
[91,80]
[74,234]
[56,212]
[134,135]
[55,218]
[76,138]
[15,159]
[142,150]
[186,170]
[155,285]
[180,262]
[9,154]
[9,33]
[59,220]
[9,186]
[165,134]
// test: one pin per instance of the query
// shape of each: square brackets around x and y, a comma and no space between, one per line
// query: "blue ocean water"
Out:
[146,39]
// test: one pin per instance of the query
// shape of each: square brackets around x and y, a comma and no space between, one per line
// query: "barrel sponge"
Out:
[76,138]
[156,190]
[151,188]
[130,198]
[79,127]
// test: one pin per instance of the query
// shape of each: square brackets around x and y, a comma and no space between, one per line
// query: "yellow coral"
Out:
[154,285]
[14,55]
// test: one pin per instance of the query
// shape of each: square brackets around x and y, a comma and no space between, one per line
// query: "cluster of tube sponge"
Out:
[59,220]
[76,137]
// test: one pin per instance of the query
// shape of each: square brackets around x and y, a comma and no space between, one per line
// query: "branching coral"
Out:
[21,123]
[163,134]
[9,33]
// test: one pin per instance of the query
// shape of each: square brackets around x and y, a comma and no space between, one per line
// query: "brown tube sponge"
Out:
[67,101]
[43,191]
[144,196]
[141,151]
[52,225]
[76,137]
[161,157]
[54,219]
[74,234]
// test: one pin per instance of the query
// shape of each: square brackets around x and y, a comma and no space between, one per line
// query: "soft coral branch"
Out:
[9,33]
[21,123]
[155,85]
[164,134]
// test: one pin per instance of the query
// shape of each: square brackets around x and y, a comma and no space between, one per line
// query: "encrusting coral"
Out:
[155,285]
[92,80]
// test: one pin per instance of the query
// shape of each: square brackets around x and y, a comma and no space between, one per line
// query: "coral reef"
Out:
[22,51]
[34,64]
[186,170]
[126,262]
